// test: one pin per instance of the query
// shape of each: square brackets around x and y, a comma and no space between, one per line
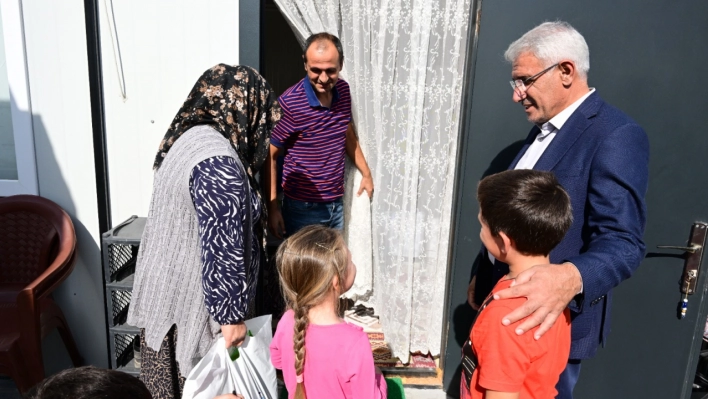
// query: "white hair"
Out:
[552,42]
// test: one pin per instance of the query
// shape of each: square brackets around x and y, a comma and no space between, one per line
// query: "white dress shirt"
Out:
[548,133]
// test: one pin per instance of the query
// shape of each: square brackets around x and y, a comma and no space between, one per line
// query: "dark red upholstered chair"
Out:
[37,252]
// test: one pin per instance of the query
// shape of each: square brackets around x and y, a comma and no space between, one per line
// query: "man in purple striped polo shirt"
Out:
[314,133]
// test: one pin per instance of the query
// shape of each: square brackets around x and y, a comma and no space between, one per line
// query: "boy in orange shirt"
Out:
[524,215]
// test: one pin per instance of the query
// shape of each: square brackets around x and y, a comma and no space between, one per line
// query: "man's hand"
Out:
[367,183]
[470,294]
[548,289]
[276,222]
[354,153]
[275,218]
[234,334]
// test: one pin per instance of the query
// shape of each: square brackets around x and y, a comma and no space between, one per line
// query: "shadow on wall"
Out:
[503,159]
[8,162]
[80,296]
[463,314]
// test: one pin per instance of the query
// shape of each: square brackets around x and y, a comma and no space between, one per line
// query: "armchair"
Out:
[37,252]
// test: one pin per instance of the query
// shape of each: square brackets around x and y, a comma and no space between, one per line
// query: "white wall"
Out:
[165,46]
[154,51]
[55,40]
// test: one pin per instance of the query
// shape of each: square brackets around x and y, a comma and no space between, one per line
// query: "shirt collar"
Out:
[546,129]
[559,120]
[312,96]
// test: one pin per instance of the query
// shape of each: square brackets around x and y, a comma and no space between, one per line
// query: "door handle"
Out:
[694,256]
[692,249]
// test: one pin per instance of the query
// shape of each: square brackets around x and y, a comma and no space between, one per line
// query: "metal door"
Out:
[647,58]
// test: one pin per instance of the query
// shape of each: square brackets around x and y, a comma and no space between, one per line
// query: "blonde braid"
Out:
[301,322]
[308,262]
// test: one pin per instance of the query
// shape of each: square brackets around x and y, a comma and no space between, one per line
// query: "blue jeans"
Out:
[298,214]
[568,379]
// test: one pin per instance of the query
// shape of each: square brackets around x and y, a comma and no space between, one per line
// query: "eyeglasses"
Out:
[520,85]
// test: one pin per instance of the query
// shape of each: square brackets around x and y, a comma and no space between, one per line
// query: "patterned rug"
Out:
[383,357]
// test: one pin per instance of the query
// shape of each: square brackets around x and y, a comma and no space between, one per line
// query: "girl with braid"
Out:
[321,355]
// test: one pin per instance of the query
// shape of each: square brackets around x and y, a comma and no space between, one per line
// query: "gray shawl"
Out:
[167,288]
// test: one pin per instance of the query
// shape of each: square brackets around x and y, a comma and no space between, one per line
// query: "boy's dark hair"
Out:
[90,383]
[529,206]
[324,36]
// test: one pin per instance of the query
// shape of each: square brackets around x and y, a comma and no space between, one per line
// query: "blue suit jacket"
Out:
[601,157]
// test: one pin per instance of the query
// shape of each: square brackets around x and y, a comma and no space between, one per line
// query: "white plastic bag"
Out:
[251,375]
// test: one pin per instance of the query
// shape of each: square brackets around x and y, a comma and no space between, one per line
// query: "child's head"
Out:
[90,382]
[314,265]
[530,207]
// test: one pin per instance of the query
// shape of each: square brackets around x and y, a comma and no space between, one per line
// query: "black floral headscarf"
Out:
[238,103]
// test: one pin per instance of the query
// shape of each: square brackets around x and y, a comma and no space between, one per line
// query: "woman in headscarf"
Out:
[199,254]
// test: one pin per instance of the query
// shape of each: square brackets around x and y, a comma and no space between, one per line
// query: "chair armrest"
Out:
[60,268]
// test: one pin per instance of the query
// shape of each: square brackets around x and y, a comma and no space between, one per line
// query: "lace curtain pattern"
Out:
[404,61]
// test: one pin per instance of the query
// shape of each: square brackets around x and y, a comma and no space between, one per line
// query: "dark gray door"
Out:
[648,58]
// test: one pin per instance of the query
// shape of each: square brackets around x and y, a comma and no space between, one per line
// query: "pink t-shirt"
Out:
[338,361]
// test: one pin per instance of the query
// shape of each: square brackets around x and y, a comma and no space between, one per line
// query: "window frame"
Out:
[20,106]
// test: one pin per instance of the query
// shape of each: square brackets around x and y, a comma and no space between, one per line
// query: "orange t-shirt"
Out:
[517,363]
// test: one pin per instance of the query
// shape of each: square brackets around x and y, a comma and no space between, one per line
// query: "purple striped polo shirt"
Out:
[314,138]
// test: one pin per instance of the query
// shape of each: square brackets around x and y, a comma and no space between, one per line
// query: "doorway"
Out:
[282,68]
[282,65]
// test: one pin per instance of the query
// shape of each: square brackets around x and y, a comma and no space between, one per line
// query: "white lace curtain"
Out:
[404,61]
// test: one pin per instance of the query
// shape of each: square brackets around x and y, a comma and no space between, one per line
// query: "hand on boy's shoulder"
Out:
[495,311]
[498,309]
[548,289]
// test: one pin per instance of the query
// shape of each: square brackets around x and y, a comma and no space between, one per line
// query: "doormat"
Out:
[383,356]
[419,361]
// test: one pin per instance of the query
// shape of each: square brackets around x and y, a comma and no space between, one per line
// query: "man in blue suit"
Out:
[601,157]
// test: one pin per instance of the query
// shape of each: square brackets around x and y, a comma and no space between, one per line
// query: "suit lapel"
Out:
[573,128]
